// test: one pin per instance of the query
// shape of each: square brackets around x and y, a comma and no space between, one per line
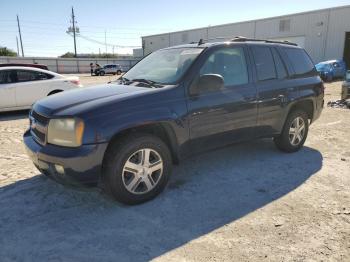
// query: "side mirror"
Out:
[207,83]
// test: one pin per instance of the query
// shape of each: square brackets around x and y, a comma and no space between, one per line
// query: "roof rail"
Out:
[202,41]
[245,39]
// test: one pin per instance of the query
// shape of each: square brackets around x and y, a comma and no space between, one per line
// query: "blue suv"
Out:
[331,69]
[174,103]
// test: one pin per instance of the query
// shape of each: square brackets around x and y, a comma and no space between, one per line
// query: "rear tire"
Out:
[136,168]
[119,72]
[294,132]
[102,73]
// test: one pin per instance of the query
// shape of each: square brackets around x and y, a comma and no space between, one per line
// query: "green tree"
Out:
[68,55]
[4,51]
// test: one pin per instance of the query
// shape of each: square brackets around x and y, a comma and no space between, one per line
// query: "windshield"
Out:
[322,67]
[164,66]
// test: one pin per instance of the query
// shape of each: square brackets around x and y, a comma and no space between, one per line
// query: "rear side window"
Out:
[24,76]
[300,61]
[280,68]
[264,63]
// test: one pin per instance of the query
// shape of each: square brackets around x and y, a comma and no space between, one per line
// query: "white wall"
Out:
[321,33]
[69,65]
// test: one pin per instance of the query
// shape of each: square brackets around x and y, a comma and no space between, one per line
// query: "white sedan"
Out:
[21,86]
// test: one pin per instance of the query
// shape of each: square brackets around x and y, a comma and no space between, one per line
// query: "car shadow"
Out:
[14,115]
[42,220]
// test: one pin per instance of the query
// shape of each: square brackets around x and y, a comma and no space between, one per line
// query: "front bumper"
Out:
[81,166]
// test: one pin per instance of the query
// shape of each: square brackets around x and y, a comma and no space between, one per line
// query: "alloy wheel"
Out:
[142,171]
[297,131]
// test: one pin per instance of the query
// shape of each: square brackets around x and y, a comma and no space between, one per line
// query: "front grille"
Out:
[40,118]
[38,126]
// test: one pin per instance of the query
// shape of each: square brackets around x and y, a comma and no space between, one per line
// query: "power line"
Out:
[102,43]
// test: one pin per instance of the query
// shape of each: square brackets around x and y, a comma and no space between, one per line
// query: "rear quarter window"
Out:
[300,61]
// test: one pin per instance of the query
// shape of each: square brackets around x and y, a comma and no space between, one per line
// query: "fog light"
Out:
[59,169]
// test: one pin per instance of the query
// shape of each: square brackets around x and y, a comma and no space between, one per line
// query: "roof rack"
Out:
[203,41]
[245,39]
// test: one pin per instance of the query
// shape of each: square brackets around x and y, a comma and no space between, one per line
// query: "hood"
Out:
[83,99]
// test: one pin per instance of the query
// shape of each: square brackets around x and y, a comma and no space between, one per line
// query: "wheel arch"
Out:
[306,105]
[162,130]
[55,91]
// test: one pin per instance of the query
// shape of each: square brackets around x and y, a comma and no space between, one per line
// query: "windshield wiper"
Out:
[146,81]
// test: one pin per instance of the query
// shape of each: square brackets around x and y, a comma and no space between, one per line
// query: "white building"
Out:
[325,33]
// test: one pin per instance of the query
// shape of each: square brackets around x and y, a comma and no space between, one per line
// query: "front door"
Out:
[7,89]
[224,116]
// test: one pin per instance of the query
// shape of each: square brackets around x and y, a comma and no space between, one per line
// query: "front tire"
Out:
[119,72]
[294,132]
[102,73]
[136,168]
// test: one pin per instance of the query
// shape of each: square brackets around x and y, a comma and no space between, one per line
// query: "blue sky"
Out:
[44,23]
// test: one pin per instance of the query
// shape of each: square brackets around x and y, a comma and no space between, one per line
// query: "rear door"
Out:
[274,88]
[7,89]
[31,86]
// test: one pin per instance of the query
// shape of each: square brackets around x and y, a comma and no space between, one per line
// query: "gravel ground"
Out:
[247,202]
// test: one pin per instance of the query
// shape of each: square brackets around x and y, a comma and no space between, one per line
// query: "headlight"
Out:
[65,132]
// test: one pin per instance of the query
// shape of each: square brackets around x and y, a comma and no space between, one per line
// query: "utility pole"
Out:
[20,35]
[17,46]
[75,30]
[75,43]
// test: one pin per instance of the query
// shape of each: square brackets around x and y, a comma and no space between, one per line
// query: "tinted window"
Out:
[8,76]
[24,76]
[264,63]
[280,68]
[300,61]
[3,77]
[230,63]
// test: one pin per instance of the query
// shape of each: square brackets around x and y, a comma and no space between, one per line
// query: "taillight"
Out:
[76,82]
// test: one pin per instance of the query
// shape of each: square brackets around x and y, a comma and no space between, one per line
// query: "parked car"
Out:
[174,103]
[21,86]
[345,94]
[109,69]
[26,65]
[331,69]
